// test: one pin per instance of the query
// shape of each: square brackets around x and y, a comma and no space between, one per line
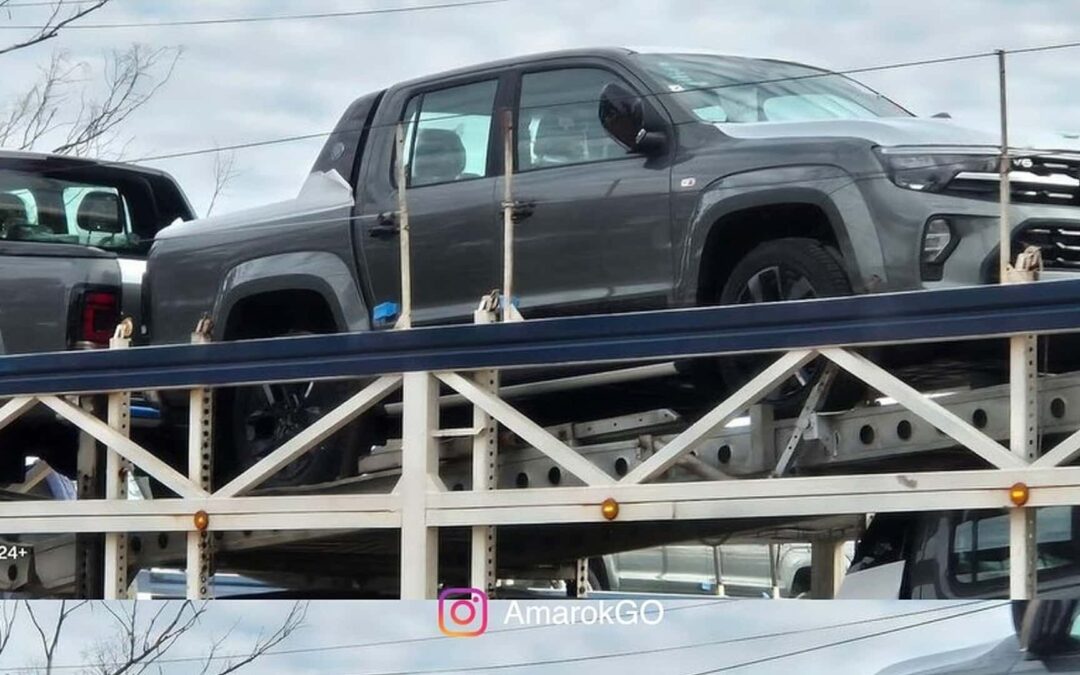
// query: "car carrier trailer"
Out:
[677,480]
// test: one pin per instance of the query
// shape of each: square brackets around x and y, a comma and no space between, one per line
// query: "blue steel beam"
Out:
[924,316]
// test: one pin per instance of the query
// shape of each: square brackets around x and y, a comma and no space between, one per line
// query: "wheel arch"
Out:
[739,224]
[317,287]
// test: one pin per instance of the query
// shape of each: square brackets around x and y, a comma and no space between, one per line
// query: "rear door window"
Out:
[448,133]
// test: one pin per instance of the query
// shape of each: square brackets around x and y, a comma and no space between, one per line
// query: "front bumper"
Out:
[900,216]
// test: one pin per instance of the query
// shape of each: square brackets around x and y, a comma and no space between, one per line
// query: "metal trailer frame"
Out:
[465,358]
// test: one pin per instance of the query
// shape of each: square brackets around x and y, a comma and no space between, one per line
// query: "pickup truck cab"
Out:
[960,554]
[642,180]
[74,234]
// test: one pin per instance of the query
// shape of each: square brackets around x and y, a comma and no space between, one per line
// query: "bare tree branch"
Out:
[87,116]
[58,19]
[293,621]
[130,84]
[7,621]
[225,172]
[49,643]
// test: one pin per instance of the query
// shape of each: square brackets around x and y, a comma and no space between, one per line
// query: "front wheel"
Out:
[787,270]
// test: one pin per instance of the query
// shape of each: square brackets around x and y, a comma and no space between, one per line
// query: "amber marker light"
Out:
[202,520]
[610,509]
[1018,494]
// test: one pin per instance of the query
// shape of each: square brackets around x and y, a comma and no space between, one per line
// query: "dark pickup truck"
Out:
[641,181]
[74,234]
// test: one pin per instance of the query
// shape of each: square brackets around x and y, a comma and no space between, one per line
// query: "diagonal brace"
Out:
[697,432]
[354,406]
[125,447]
[927,409]
[529,431]
[1063,453]
[15,407]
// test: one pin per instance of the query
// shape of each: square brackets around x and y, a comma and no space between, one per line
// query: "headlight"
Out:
[931,172]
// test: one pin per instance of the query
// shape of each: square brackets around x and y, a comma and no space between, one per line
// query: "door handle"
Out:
[385,226]
[520,210]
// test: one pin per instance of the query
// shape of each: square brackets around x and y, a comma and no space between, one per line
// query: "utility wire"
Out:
[837,643]
[256,19]
[650,94]
[326,648]
[662,650]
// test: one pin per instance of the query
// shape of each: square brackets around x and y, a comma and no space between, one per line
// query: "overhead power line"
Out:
[257,19]
[343,647]
[837,643]
[672,648]
[848,71]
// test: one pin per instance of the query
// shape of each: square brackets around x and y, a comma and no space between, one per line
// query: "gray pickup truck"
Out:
[642,181]
[74,234]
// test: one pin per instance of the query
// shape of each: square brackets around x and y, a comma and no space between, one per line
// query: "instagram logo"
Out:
[465,615]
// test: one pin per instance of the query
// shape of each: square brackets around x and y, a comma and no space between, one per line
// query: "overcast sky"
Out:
[253,82]
[342,625]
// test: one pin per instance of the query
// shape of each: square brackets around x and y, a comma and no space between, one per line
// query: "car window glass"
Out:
[447,133]
[558,119]
[806,107]
[981,544]
[54,210]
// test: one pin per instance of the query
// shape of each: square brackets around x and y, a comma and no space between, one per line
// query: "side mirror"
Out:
[941,116]
[1044,626]
[622,114]
[100,212]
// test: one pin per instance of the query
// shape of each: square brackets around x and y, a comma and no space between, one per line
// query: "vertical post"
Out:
[117,470]
[484,467]
[1004,189]
[200,445]
[718,570]
[581,579]
[88,568]
[419,461]
[405,320]
[1023,379]
[826,568]
[774,569]
[508,216]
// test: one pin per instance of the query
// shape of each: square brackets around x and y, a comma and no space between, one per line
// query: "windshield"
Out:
[43,209]
[737,90]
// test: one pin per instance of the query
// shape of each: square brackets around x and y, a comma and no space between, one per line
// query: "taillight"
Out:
[96,314]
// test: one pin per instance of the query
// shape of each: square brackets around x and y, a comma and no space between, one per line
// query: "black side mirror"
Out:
[1044,626]
[622,114]
[941,116]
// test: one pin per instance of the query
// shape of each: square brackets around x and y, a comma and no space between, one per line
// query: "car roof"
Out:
[63,161]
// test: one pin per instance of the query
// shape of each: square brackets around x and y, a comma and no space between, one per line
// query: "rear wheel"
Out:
[786,270]
[256,420]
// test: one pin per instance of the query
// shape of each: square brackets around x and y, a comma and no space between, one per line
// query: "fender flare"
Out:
[825,187]
[318,271]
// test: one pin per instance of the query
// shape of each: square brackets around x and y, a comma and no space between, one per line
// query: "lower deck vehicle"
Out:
[961,554]
[74,234]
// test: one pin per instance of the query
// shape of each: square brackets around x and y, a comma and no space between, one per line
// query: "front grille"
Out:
[1043,179]
[1059,243]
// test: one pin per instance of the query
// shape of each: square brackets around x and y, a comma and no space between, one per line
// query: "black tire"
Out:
[788,269]
[253,421]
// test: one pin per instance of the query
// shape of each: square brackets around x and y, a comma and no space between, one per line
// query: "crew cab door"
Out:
[594,230]
[451,199]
